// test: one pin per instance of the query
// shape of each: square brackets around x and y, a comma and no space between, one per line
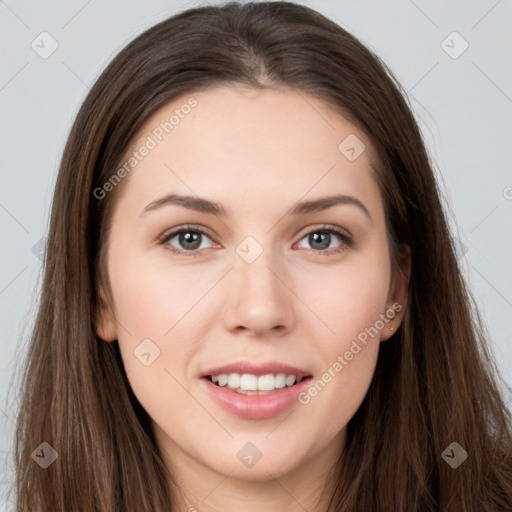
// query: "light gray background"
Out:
[463,105]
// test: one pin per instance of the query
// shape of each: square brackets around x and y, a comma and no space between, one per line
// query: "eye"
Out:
[321,237]
[189,240]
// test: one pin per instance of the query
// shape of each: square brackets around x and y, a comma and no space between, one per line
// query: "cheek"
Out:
[163,304]
[353,311]
[153,306]
[348,300]
[350,303]
[151,297]
[334,396]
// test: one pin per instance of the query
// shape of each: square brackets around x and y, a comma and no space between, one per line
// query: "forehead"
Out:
[236,143]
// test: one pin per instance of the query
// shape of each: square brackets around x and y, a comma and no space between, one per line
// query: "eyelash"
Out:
[346,240]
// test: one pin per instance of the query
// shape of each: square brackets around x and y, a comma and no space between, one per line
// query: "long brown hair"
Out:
[435,382]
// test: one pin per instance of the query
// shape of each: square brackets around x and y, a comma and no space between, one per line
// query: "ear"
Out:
[397,300]
[105,320]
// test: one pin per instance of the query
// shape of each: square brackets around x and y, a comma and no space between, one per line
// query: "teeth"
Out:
[280,380]
[249,382]
[267,382]
[290,380]
[233,380]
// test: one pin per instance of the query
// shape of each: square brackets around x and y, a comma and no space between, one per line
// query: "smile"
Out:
[250,384]
[254,391]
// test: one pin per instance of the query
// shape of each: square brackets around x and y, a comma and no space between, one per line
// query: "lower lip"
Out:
[255,407]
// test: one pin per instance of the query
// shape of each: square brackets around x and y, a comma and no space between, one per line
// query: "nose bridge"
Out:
[258,299]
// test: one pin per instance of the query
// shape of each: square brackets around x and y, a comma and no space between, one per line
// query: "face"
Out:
[257,286]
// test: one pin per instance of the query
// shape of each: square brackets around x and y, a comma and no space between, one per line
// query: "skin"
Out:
[257,153]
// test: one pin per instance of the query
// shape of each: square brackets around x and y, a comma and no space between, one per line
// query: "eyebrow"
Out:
[203,205]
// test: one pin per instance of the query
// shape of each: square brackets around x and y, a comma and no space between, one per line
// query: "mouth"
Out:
[255,392]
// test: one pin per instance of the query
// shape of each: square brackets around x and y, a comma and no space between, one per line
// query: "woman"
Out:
[255,369]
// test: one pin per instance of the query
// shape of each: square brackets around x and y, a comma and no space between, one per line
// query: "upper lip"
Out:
[258,369]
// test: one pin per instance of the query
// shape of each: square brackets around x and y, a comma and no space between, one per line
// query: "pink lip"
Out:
[257,369]
[254,407]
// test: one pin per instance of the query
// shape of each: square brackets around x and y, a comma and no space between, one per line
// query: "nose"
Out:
[259,298]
